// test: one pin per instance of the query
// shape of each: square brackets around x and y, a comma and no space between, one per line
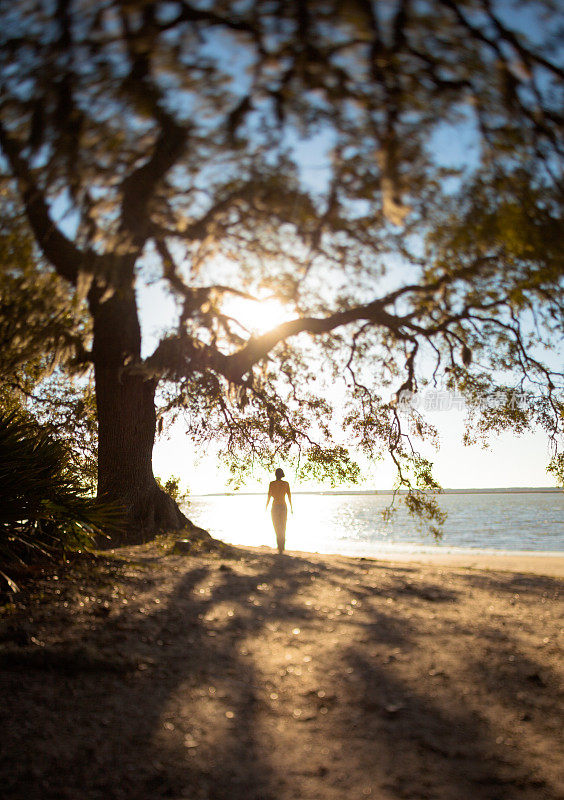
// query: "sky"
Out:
[508,461]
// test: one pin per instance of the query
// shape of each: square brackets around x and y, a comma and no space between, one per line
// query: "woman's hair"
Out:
[279,473]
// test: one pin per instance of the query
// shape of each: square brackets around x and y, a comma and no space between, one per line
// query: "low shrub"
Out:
[44,508]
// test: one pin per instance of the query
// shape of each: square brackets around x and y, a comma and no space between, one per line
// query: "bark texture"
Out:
[127,422]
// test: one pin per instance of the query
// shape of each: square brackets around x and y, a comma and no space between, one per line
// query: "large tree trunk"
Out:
[126,423]
[126,430]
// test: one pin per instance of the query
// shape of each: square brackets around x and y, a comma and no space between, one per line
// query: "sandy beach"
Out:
[546,563]
[242,674]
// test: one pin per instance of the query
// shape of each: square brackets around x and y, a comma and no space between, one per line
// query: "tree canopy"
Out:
[172,142]
[43,333]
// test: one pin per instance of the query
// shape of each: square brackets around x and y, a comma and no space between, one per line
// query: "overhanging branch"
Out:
[67,259]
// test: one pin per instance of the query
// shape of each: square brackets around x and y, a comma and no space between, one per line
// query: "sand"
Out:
[302,677]
[547,563]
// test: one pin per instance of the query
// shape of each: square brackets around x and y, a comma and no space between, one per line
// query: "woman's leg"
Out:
[279,515]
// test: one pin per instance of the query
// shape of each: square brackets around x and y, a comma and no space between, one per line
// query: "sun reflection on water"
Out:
[319,523]
[353,524]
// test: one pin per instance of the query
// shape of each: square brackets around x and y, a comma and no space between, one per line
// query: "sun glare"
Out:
[257,316]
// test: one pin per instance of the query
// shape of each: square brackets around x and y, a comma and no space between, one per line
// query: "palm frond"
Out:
[43,505]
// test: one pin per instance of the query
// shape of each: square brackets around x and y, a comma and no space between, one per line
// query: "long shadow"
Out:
[188,721]
[525,584]
[421,740]
[102,735]
[64,751]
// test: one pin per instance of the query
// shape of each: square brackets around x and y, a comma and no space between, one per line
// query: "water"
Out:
[352,524]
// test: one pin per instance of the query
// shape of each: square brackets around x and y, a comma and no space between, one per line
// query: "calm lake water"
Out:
[353,525]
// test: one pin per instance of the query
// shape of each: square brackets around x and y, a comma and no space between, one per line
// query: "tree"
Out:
[40,324]
[43,335]
[159,140]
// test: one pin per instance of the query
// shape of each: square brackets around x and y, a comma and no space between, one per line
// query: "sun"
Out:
[256,316]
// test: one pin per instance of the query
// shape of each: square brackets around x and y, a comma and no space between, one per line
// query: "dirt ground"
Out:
[302,677]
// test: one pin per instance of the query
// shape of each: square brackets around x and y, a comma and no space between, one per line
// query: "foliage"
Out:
[43,507]
[173,135]
[556,467]
[43,333]
[66,406]
[172,487]
[41,322]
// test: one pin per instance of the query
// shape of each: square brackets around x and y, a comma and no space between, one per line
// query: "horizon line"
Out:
[466,490]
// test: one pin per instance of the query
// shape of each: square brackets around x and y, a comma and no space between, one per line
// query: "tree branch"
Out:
[139,187]
[258,347]
[194,296]
[67,259]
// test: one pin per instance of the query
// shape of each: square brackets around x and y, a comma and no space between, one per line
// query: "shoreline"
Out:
[523,525]
[536,563]
[550,564]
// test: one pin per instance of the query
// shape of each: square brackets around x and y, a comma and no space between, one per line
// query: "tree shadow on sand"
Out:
[211,707]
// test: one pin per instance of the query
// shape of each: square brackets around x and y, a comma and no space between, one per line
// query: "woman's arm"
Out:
[269,495]
[289,493]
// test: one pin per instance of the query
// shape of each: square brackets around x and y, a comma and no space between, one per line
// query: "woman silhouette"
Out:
[278,490]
